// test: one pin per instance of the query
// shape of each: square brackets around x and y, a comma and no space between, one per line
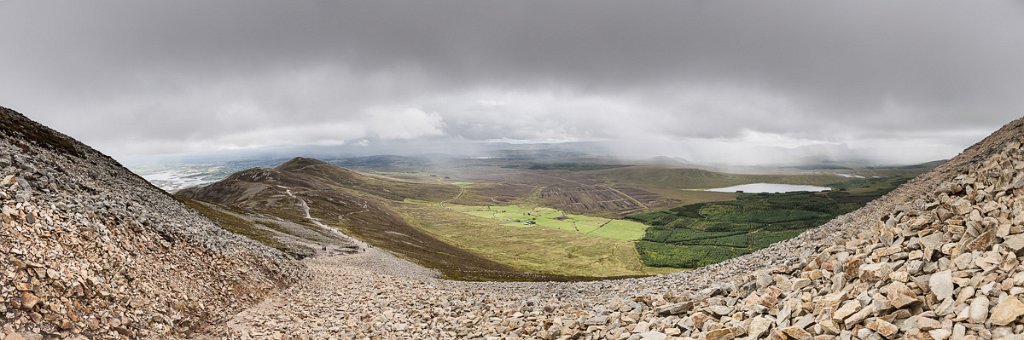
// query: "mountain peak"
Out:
[299,163]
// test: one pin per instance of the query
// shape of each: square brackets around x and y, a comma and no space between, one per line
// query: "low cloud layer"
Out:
[738,82]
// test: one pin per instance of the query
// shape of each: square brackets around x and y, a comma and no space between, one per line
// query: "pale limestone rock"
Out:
[720,334]
[941,284]
[652,335]
[1007,311]
[859,316]
[883,327]
[796,333]
[979,309]
[758,326]
[939,334]
[1015,243]
[846,310]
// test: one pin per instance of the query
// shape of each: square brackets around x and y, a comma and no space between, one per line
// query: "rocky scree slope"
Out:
[937,258]
[942,264]
[88,248]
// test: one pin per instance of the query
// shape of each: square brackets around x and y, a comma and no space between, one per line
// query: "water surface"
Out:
[756,188]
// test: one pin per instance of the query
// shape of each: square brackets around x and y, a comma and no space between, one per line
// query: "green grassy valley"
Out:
[541,217]
[545,247]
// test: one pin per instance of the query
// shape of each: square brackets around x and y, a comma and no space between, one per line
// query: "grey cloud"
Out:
[182,76]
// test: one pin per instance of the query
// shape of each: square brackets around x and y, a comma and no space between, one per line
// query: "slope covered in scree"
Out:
[937,259]
[89,248]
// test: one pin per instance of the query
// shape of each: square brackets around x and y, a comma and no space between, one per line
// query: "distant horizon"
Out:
[284,154]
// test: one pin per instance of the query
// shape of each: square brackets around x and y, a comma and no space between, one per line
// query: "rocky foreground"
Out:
[88,249]
[935,259]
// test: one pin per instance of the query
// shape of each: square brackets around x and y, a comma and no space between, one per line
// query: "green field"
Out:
[705,233]
[541,217]
[569,166]
[551,246]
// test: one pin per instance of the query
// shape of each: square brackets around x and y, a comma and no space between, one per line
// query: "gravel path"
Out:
[358,246]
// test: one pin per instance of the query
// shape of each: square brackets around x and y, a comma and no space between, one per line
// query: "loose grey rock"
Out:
[941,284]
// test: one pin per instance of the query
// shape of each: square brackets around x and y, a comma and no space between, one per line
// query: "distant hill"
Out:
[386,163]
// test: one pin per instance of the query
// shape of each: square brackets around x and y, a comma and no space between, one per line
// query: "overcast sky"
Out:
[713,81]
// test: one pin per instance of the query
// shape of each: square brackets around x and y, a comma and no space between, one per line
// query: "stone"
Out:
[674,309]
[926,324]
[941,284]
[758,326]
[29,300]
[964,261]
[900,295]
[979,309]
[1007,311]
[983,241]
[932,241]
[720,334]
[959,331]
[1015,243]
[801,283]
[599,320]
[939,334]
[962,206]
[796,333]
[859,316]
[874,271]
[1003,230]
[652,335]
[720,310]
[804,321]
[846,310]
[883,327]
[829,326]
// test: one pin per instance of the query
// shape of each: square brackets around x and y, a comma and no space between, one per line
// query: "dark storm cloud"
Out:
[182,76]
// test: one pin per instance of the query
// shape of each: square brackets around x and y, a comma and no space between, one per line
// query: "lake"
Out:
[755,188]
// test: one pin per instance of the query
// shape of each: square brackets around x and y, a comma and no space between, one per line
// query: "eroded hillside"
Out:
[88,248]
